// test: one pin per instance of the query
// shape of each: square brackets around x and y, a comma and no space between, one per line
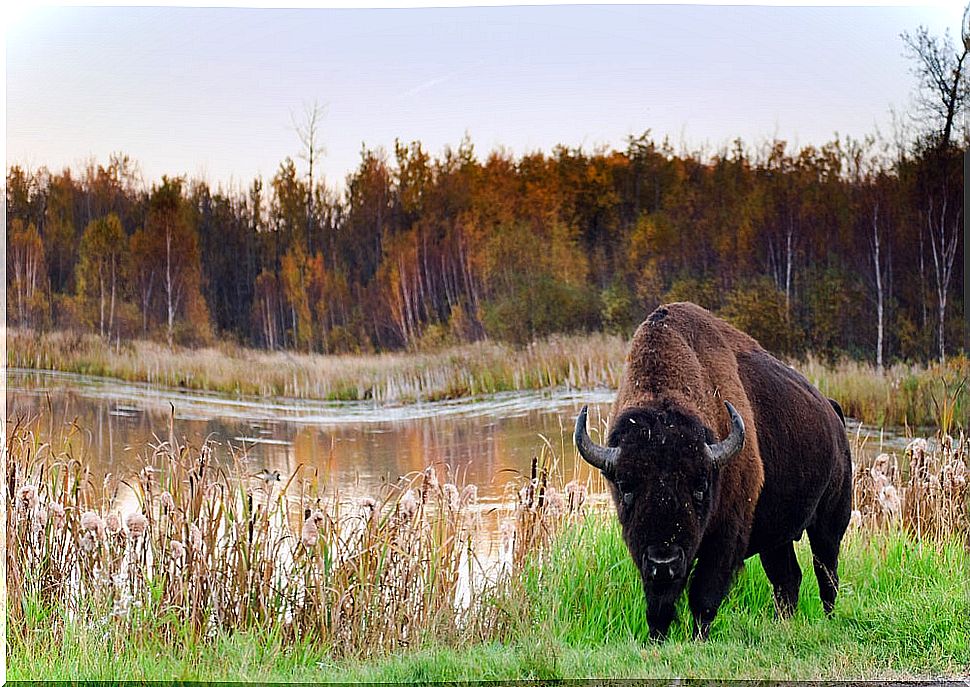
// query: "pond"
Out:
[360,446]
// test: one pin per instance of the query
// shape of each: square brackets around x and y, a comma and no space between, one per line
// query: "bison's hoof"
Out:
[701,631]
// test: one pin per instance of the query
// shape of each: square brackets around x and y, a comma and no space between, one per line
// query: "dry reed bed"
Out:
[902,394]
[207,550]
[927,494]
[467,370]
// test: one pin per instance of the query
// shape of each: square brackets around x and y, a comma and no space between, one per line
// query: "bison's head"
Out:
[662,465]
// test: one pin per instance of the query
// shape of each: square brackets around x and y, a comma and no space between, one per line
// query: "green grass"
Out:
[903,611]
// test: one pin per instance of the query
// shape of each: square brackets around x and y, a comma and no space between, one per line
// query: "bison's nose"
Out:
[664,564]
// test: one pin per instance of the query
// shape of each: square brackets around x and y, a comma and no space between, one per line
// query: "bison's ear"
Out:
[722,452]
[600,457]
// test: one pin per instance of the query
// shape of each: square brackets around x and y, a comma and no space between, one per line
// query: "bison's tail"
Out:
[838,410]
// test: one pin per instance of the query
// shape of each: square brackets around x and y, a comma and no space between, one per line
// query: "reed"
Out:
[190,553]
[468,370]
[202,548]
[902,394]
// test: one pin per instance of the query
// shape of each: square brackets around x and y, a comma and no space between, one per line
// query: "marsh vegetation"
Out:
[211,560]
[901,394]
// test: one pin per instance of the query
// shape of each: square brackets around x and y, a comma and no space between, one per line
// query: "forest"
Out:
[843,249]
[850,248]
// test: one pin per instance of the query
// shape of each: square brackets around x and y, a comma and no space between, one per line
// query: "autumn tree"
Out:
[27,302]
[265,310]
[114,188]
[59,232]
[941,72]
[294,276]
[26,195]
[942,93]
[228,227]
[309,133]
[101,266]
[173,245]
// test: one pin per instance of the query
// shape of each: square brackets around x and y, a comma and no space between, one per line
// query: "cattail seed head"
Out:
[370,510]
[918,445]
[40,520]
[408,504]
[60,517]
[310,534]
[855,520]
[195,539]
[113,522]
[430,479]
[27,497]
[954,475]
[452,499]
[575,495]
[92,522]
[178,550]
[889,500]
[137,524]
[554,503]
[166,501]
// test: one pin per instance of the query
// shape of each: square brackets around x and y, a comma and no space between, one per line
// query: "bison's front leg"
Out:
[711,581]
[661,606]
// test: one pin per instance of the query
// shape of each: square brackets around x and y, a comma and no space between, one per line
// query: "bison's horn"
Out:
[722,452]
[600,457]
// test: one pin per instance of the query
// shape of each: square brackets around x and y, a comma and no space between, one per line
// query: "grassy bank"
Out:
[904,611]
[216,576]
[902,394]
[472,369]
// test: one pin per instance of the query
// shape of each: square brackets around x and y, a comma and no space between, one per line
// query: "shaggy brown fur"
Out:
[793,473]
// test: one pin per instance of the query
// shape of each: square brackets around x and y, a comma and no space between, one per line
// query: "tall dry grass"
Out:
[480,368]
[189,546]
[901,394]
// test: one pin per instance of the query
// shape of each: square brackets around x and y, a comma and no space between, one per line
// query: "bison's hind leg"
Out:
[825,535]
[825,557]
[785,576]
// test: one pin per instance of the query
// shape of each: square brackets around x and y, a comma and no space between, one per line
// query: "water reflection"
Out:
[356,446]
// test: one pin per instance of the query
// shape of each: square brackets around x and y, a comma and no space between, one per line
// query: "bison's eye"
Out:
[626,493]
[700,491]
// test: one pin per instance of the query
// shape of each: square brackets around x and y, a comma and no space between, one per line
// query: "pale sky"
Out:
[212,92]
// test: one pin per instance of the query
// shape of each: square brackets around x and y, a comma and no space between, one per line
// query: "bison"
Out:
[693,505]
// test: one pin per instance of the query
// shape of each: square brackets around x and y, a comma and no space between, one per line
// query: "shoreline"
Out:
[469,370]
[901,394]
